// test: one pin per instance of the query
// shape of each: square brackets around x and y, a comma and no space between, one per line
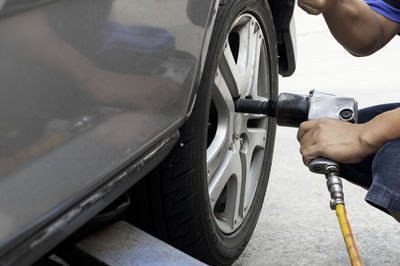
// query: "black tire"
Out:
[178,209]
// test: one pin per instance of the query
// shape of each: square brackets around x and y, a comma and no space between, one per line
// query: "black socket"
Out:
[251,106]
[292,109]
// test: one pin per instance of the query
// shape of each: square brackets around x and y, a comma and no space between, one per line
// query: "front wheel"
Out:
[207,195]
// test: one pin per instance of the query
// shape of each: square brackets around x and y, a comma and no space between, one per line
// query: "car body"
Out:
[93,95]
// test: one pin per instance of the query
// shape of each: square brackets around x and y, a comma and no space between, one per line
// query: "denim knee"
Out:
[384,192]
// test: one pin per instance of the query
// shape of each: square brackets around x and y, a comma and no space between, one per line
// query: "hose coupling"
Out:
[335,186]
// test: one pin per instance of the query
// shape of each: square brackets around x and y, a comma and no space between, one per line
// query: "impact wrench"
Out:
[291,110]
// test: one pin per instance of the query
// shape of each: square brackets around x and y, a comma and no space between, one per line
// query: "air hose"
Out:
[348,235]
[334,184]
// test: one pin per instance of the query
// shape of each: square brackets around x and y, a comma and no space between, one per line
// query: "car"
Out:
[125,110]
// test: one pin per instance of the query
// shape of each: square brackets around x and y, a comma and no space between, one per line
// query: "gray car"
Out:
[100,95]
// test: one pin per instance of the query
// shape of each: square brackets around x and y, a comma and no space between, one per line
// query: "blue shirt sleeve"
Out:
[387,8]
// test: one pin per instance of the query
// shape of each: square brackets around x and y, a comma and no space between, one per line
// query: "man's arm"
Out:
[354,24]
[345,142]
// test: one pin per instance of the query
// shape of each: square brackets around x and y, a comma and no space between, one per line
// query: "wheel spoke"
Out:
[216,154]
[245,56]
[246,157]
[252,40]
[256,140]
[222,139]
[255,66]
[222,92]
[229,167]
[237,199]
[251,162]
[255,40]
[230,71]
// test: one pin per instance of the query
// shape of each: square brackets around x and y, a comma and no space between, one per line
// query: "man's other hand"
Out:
[334,139]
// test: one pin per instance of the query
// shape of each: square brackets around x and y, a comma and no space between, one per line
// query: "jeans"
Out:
[379,173]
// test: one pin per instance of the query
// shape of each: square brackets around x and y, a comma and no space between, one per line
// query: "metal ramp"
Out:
[124,244]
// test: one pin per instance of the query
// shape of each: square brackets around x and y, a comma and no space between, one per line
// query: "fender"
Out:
[282,11]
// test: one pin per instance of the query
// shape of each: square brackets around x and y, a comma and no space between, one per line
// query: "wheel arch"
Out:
[282,12]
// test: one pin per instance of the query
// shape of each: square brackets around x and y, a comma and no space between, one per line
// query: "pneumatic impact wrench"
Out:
[291,110]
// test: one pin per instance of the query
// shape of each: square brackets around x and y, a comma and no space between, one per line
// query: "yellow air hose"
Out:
[348,235]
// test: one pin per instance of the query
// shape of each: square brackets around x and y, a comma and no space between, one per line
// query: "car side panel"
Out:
[86,86]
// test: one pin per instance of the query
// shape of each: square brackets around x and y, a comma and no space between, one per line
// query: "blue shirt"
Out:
[387,8]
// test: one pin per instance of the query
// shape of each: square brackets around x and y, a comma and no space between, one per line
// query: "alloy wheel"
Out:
[236,142]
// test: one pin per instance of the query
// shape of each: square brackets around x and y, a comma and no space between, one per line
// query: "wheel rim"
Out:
[236,142]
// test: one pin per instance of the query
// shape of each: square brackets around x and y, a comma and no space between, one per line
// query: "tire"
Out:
[176,201]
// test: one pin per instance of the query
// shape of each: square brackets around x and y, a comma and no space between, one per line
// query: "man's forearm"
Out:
[360,30]
[382,129]
[355,26]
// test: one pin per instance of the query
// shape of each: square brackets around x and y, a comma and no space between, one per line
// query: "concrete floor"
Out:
[296,225]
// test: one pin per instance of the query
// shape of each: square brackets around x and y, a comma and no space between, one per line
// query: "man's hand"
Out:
[334,139]
[316,7]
